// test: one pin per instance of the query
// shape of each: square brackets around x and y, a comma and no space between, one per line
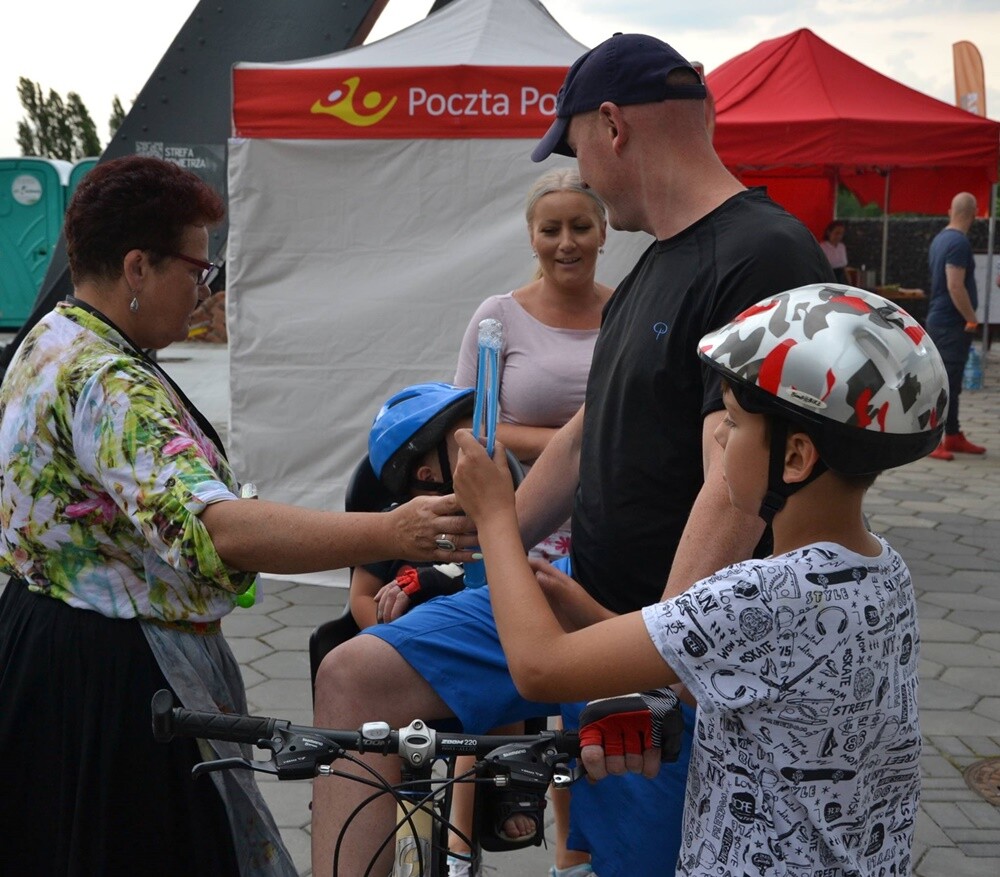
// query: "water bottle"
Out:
[972,376]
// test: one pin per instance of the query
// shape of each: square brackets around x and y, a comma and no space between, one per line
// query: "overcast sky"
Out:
[103,48]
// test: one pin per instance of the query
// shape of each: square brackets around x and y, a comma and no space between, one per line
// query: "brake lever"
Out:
[563,776]
[231,763]
[531,766]
[293,757]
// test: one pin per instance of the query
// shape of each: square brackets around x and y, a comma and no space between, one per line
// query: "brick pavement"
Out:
[944,517]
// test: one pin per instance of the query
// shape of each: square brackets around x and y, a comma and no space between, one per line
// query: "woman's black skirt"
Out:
[85,791]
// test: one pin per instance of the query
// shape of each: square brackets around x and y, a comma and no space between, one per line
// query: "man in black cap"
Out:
[638,466]
[651,513]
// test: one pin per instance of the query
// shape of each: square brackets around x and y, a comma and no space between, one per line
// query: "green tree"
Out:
[85,139]
[52,127]
[116,118]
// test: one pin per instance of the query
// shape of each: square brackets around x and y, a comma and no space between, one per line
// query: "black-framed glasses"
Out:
[209,270]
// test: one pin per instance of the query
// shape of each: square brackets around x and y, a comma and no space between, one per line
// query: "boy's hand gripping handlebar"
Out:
[633,723]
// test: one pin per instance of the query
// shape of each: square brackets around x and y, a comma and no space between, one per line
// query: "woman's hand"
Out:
[483,486]
[572,605]
[433,528]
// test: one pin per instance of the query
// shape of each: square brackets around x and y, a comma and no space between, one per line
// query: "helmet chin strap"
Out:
[778,490]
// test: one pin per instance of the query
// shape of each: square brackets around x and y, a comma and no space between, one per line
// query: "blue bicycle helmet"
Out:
[411,423]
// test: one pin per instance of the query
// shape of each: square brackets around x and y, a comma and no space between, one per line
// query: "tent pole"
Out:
[885,223]
[990,276]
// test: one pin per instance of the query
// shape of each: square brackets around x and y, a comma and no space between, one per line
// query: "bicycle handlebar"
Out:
[300,752]
[514,764]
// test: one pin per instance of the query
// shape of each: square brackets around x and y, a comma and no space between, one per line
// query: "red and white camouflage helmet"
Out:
[852,369]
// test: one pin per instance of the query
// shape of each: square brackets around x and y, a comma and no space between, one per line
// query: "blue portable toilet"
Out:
[80,169]
[32,202]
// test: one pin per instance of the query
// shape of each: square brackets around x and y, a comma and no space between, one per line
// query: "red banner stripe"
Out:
[395,102]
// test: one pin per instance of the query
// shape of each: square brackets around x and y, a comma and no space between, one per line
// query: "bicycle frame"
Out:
[421,838]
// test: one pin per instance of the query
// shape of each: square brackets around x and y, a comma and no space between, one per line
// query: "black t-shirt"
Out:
[387,570]
[641,457]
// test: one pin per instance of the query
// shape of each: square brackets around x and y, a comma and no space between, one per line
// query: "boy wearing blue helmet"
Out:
[411,449]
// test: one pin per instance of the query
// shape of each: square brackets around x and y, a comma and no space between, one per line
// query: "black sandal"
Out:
[495,806]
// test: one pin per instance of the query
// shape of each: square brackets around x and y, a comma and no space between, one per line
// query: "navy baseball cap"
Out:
[626,69]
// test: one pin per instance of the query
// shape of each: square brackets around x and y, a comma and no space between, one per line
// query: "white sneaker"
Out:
[582,870]
[459,867]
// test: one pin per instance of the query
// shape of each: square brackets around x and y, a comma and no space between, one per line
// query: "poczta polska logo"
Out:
[350,103]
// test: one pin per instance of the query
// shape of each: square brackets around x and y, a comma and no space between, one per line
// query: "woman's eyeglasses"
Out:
[209,270]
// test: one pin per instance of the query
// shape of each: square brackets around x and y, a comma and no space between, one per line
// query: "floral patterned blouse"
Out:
[103,473]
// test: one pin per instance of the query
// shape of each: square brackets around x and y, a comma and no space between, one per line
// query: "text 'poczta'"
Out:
[480,103]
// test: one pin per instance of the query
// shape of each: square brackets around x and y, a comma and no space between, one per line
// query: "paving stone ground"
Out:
[944,518]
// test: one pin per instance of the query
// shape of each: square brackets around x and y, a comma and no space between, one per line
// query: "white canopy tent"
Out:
[376,198]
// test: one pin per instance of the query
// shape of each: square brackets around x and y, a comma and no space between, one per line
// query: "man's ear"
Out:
[800,457]
[613,125]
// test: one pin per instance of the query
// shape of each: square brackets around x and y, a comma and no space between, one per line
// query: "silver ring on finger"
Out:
[444,543]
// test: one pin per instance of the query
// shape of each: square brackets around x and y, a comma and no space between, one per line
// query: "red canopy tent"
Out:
[797,115]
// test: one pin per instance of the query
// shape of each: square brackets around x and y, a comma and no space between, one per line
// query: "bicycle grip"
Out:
[170,721]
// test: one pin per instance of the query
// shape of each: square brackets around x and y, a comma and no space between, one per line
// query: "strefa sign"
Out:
[395,102]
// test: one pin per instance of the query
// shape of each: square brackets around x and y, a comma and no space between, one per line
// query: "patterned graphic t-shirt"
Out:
[104,474]
[807,745]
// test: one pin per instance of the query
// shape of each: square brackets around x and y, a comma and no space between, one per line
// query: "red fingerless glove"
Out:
[633,723]
[420,585]
[408,580]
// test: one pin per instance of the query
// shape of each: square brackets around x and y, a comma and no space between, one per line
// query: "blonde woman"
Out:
[550,324]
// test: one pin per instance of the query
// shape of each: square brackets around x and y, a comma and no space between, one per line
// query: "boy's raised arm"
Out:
[546,662]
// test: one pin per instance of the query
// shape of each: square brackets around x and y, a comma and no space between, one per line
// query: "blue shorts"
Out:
[645,839]
[452,642]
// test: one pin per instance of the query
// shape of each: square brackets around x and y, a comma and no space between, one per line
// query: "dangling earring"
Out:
[133,305]
[600,250]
